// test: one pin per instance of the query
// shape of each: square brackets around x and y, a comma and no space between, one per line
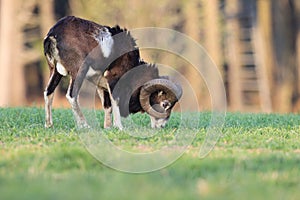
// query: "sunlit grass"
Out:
[257,157]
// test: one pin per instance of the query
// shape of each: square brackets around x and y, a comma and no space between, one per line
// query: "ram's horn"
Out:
[173,91]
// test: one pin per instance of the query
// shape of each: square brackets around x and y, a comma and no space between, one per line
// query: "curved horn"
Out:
[174,91]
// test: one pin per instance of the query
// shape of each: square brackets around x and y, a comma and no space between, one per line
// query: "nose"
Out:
[165,104]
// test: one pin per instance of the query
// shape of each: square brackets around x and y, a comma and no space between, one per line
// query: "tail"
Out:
[50,50]
[47,45]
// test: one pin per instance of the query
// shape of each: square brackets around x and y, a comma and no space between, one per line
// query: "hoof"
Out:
[48,125]
[83,125]
[119,126]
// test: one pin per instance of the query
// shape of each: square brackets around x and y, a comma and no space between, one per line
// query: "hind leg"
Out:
[73,94]
[55,78]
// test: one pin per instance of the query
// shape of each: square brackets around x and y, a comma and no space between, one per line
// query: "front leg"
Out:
[116,114]
[106,105]
[107,117]
[79,117]
[115,110]
[72,96]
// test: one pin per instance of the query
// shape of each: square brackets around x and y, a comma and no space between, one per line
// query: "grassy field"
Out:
[257,157]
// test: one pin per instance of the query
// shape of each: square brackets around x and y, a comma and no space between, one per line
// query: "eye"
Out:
[160,93]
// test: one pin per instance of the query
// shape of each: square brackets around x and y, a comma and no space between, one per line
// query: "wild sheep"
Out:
[105,55]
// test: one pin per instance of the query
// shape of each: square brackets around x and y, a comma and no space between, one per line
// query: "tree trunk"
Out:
[11,71]
[212,31]
[296,107]
[192,29]
[264,53]
[47,15]
[284,71]
[233,58]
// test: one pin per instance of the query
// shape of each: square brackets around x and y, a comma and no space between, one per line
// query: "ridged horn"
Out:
[173,91]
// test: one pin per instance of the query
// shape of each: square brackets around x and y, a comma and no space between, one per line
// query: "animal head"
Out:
[157,98]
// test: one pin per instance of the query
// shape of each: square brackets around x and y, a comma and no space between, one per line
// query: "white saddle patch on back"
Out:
[106,42]
[61,69]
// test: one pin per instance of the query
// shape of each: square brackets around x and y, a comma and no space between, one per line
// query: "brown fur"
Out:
[74,42]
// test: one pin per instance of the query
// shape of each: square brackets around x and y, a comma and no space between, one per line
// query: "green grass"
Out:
[257,157]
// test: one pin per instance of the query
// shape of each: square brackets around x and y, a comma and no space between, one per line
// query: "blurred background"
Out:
[254,43]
